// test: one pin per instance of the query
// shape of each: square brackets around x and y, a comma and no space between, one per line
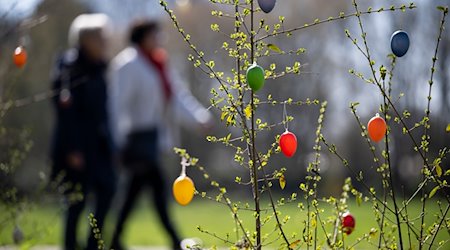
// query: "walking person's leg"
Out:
[74,210]
[133,189]
[160,201]
[105,187]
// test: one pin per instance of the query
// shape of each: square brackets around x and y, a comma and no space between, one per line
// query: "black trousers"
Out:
[149,175]
[102,185]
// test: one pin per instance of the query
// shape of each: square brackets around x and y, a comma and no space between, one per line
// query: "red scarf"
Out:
[158,58]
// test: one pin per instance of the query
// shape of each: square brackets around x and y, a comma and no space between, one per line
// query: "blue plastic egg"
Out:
[399,43]
[266,5]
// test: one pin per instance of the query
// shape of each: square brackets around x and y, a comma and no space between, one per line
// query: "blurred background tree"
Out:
[324,76]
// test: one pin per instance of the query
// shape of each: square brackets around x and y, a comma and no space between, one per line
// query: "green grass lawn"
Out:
[43,224]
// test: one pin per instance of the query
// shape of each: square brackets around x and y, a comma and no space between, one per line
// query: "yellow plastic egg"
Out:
[183,190]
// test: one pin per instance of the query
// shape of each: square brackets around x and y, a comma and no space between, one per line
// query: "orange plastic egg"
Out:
[377,128]
[20,57]
[183,190]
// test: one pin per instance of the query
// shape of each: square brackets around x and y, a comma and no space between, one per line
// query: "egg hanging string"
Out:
[183,187]
[184,163]
[285,117]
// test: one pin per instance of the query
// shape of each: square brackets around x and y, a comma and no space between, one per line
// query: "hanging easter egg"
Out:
[20,56]
[255,77]
[399,43]
[288,143]
[348,223]
[267,5]
[183,190]
[377,128]
[65,98]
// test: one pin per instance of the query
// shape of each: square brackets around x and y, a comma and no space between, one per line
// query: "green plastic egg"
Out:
[255,77]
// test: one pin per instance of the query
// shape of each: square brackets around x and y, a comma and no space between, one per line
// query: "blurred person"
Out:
[82,143]
[148,103]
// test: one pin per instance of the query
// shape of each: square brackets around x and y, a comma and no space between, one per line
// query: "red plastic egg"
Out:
[348,223]
[376,128]
[288,143]
[20,57]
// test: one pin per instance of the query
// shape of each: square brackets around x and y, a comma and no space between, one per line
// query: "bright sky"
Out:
[18,8]
[22,8]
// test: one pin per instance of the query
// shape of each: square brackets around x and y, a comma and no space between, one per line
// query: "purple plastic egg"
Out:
[266,5]
[399,43]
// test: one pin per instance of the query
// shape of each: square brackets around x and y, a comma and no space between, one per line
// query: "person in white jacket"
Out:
[147,104]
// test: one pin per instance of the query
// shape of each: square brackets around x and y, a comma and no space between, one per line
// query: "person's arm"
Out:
[120,94]
[188,109]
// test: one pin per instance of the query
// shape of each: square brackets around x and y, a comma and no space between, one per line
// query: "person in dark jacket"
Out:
[82,143]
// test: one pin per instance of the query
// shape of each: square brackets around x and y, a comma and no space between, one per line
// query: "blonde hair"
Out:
[88,23]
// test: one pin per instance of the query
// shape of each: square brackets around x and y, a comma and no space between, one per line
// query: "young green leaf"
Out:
[359,200]
[433,192]
[447,172]
[274,48]
[282,181]
[294,244]
[442,8]
[248,112]
[438,170]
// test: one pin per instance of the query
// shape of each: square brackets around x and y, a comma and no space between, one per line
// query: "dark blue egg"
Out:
[266,5]
[399,43]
